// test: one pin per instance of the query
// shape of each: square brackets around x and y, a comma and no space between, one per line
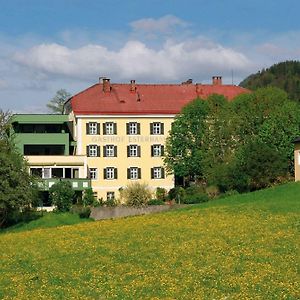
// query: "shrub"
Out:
[136,194]
[61,195]
[161,194]
[111,202]
[195,198]
[83,212]
[88,197]
[176,194]
[212,191]
[229,193]
[155,202]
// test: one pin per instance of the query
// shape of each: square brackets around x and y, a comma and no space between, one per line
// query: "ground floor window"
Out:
[110,196]
[157,173]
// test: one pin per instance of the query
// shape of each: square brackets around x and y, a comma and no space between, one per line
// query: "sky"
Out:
[47,45]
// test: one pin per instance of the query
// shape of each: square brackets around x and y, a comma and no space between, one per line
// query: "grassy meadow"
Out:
[240,247]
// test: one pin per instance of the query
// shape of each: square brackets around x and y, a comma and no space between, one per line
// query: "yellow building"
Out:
[121,129]
[297,158]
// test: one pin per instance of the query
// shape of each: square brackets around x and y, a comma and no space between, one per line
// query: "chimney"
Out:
[132,86]
[106,85]
[217,80]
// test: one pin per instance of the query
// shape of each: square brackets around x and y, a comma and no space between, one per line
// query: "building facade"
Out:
[115,134]
[297,158]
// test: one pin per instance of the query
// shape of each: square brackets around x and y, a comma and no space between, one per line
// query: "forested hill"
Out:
[285,75]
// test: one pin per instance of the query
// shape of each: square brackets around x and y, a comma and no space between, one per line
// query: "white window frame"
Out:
[93,150]
[110,173]
[156,128]
[157,173]
[109,128]
[93,128]
[93,173]
[133,150]
[109,150]
[133,128]
[47,173]
[157,150]
[134,173]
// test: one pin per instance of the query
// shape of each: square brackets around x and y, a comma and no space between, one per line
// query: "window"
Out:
[110,151]
[36,172]
[110,173]
[157,150]
[156,128]
[109,128]
[110,196]
[93,173]
[134,173]
[157,173]
[93,151]
[46,173]
[133,151]
[133,128]
[92,128]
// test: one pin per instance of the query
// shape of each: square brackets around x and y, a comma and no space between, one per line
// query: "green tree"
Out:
[218,139]
[61,195]
[284,75]
[184,151]
[88,197]
[56,104]
[18,192]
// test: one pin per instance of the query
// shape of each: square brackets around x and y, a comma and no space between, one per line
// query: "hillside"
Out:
[240,247]
[285,75]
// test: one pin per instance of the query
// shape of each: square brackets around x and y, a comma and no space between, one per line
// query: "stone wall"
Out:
[102,213]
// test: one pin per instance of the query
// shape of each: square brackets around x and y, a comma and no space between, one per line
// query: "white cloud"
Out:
[173,61]
[165,24]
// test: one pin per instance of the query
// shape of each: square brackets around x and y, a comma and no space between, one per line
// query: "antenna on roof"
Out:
[232,76]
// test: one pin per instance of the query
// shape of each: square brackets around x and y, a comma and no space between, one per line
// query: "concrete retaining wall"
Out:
[102,213]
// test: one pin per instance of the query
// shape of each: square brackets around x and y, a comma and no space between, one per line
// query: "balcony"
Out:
[56,160]
[78,184]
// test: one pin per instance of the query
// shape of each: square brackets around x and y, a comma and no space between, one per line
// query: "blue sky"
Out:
[48,45]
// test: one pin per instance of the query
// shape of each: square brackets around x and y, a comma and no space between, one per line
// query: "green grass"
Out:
[240,247]
[47,220]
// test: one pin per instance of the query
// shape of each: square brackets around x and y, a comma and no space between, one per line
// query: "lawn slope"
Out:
[241,247]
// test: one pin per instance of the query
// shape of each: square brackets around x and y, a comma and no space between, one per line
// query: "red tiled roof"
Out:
[146,99]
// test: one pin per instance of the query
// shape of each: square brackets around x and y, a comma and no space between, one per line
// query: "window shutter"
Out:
[128,151]
[104,151]
[151,128]
[152,173]
[128,173]
[152,150]
[98,151]
[127,128]
[139,173]
[98,128]
[115,151]
[115,128]
[139,151]
[87,128]
[138,128]
[87,151]
[104,174]
[162,128]
[116,173]
[104,128]
[162,148]
[162,173]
